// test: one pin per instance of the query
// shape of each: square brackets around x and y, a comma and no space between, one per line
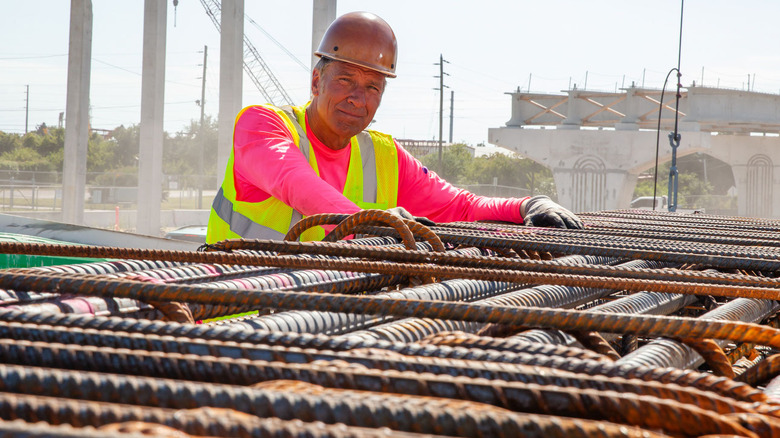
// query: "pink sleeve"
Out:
[268,163]
[423,193]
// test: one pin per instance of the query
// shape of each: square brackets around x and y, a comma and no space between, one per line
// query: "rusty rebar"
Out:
[665,352]
[613,406]
[712,354]
[416,414]
[351,225]
[531,317]
[542,357]
[451,260]
[113,419]
[764,371]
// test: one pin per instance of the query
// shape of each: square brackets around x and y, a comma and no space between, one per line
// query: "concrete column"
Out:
[574,115]
[616,194]
[150,155]
[231,77]
[74,167]
[697,105]
[323,14]
[630,121]
[740,181]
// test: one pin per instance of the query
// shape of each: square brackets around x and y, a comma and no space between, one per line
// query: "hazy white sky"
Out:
[492,48]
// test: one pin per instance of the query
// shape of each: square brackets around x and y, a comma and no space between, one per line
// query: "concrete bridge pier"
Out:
[595,169]
[591,187]
[754,163]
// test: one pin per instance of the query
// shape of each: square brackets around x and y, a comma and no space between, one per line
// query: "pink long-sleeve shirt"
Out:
[268,163]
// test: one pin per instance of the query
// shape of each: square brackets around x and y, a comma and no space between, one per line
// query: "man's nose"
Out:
[357,97]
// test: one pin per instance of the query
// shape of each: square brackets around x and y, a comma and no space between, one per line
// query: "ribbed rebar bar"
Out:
[451,417]
[364,215]
[538,296]
[622,407]
[540,357]
[351,225]
[23,429]
[399,363]
[664,352]
[530,317]
[712,355]
[449,259]
[765,370]
[114,418]
[333,323]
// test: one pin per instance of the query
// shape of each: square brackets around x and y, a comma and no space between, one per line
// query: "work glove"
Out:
[403,214]
[541,211]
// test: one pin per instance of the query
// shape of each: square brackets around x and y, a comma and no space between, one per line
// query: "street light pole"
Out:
[202,119]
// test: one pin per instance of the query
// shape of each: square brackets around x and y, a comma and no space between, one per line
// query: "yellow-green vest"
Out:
[372,182]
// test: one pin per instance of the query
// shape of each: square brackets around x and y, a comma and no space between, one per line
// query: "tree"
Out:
[454,163]
[9,142]
[24,159]
[692,189]
[182,152]
[127,143]
[462,169]
[52,142]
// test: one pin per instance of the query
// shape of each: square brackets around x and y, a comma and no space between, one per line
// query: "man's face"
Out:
[345,99]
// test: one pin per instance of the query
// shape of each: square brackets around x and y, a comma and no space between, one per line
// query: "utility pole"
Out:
[441,103]
[26,109]
[202,139]
[452,101]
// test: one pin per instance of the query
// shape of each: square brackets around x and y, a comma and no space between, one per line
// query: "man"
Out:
[291,162]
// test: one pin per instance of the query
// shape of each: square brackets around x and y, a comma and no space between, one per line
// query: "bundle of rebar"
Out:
[642,324]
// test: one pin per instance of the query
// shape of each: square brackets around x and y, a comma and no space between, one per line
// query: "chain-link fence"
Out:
[31,191]
[497,191]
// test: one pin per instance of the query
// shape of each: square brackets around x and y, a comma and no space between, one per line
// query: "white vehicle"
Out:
[646,203]
[661,204]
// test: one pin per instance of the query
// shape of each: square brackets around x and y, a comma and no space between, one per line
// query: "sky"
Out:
[490,47]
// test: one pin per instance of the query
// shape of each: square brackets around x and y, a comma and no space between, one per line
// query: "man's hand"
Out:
[541,211]
[403,214]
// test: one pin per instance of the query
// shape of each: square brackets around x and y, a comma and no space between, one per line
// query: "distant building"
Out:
[421,148]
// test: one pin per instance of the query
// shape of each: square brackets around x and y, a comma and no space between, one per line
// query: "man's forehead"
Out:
[352,69]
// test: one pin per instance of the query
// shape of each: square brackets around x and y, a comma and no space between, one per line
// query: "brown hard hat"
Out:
[363,39]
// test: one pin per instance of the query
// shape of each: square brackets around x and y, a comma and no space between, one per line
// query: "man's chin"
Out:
[352,129]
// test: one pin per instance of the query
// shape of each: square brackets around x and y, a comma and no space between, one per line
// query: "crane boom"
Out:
[254,66]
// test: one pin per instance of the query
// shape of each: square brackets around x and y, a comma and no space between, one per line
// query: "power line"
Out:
[290,54]
[26,108]
[32,57]
[441,102]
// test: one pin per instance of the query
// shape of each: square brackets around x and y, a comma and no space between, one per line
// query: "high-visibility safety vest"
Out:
[372,182]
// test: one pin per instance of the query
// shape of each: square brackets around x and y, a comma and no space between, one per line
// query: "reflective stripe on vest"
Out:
[240,224]
[245,227]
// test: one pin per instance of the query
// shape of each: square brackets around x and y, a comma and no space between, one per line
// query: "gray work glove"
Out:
[541,211]
[403,214]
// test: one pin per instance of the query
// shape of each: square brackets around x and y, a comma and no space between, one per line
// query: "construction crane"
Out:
[254,66]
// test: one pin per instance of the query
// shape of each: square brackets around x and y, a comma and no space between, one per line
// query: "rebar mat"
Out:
[643,324]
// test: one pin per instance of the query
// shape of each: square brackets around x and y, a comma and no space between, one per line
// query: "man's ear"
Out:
[315,82]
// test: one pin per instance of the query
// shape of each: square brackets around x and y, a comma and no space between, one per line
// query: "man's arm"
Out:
[268,163]
[424,193]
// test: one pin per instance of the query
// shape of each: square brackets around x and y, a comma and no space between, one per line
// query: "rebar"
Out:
[664,352]
[542,357]
[531,317]
[652,284]
[451,417]
[333,323]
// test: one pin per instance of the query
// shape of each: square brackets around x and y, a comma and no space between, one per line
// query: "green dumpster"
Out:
[30,261]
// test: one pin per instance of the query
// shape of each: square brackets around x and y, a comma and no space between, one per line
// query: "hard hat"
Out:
[363,39]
